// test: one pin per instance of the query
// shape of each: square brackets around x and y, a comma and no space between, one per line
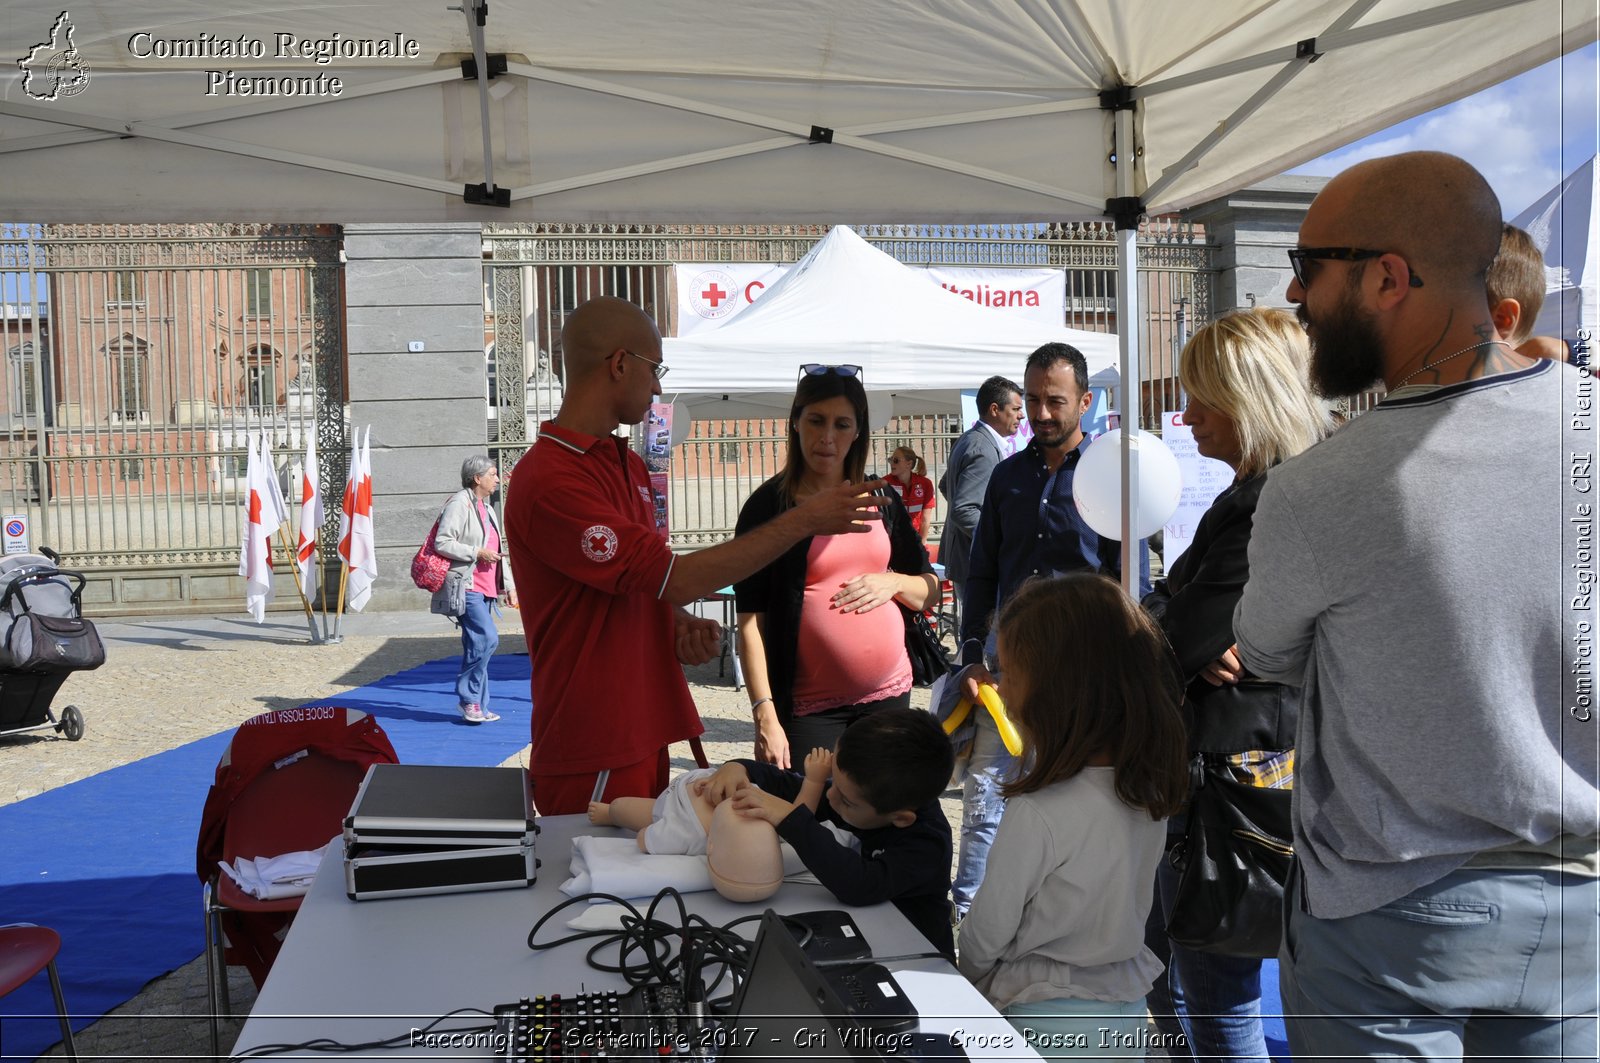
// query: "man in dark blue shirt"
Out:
[1029,526]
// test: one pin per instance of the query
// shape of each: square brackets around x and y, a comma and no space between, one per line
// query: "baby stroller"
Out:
[43,639]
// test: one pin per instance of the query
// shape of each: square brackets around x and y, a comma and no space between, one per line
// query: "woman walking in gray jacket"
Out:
[469,535]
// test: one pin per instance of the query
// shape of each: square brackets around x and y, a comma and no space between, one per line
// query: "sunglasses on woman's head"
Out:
[817,369]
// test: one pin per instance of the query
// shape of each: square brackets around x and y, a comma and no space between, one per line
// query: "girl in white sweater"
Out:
[1055,935]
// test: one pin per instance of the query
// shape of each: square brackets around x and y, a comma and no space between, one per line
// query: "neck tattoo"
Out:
[1425,366]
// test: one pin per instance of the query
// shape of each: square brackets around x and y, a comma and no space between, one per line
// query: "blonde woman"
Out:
[1251,407]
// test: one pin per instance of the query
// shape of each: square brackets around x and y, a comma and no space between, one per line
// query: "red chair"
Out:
[25,950]
[284,784]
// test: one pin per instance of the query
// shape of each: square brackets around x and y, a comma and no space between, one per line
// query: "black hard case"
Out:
[419,829]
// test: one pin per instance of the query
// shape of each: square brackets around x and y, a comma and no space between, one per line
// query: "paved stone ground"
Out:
[173,680]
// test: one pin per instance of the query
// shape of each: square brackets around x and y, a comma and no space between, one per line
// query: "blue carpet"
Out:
[108,862]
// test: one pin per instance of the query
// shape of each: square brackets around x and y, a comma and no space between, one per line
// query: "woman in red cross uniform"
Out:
[908,476]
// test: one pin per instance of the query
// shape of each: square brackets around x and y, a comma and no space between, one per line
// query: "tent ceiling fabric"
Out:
[637,110]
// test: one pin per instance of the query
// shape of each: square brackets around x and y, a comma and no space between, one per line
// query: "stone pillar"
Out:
[417,375]
[1251,229]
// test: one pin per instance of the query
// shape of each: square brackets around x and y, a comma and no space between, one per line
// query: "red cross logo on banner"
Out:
[711,294]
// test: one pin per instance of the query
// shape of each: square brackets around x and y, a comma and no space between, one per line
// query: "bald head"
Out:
[1432,209]
[598,328]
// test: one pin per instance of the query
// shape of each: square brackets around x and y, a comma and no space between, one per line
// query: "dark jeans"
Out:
[822,729]
[1213,1000]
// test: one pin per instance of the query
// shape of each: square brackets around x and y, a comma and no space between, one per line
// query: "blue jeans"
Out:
[1483,963]
[988,769]
[1070,1028]
[1217,999]
[479,638]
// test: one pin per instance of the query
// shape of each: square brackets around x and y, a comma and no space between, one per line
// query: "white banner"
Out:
[1203,480]
[1037,294]
[712,294]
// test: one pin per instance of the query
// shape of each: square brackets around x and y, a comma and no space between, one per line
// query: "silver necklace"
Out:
[1446,358]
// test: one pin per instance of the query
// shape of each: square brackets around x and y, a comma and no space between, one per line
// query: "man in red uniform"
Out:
[602,595]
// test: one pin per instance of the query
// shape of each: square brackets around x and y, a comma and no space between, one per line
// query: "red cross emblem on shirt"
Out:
[599,543]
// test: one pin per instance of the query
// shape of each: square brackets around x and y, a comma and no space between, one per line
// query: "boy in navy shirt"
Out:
[888,771]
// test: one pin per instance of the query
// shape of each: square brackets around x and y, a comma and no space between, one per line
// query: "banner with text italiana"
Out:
[710,294]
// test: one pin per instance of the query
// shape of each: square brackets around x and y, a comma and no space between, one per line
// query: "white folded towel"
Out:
[271,878]
[616,866]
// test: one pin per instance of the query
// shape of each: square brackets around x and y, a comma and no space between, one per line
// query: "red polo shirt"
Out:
[918,497]
[590,569]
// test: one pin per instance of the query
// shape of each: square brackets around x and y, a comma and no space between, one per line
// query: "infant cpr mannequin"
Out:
[743,855]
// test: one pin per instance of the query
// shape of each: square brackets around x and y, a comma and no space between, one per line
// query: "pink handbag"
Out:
[429,567]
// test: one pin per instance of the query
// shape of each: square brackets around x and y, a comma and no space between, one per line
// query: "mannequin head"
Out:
[743,855]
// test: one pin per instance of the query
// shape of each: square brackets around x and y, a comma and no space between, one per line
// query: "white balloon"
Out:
[880,408]
[1097,485]
[680,423]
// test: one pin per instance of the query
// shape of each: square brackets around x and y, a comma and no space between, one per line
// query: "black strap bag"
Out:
[1232,864]
[929,660]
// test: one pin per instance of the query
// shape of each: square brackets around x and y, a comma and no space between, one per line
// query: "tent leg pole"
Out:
[1128,333]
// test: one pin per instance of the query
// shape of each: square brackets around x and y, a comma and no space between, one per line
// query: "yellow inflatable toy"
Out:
[997,710]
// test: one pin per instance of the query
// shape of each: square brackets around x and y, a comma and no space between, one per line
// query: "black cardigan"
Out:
[779,589]
[1194,605]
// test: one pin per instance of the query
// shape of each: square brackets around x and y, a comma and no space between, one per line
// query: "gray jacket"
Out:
[966,475]
[461,536]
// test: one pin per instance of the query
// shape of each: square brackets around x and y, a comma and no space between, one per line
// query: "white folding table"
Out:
[360,971]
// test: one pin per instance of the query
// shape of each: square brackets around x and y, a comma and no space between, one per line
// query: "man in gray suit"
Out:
[966,474]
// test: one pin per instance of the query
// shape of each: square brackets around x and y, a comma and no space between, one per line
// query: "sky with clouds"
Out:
[1523,134]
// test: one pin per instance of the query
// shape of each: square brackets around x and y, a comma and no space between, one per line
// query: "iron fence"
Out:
[139,360]
[535,274]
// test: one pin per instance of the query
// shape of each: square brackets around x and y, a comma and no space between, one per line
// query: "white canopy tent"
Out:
[638,110]
[1562,224]
[831,110]
[847,302]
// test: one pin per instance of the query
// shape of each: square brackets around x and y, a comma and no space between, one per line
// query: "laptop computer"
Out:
[785,1009]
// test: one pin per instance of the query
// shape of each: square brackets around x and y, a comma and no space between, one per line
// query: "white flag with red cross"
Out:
[311,517]
[357,545]
[262,517]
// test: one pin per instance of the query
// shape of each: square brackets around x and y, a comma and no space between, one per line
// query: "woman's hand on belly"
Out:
[866,592]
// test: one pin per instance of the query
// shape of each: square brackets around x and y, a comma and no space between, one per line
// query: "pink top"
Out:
[483,572]
[847,658]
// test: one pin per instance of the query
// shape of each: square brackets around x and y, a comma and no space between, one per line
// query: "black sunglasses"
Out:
[817,369]
[1299,256]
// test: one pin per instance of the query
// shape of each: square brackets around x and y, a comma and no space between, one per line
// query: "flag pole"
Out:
[324,585]
[338,617]
[294,568]
[326,619]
